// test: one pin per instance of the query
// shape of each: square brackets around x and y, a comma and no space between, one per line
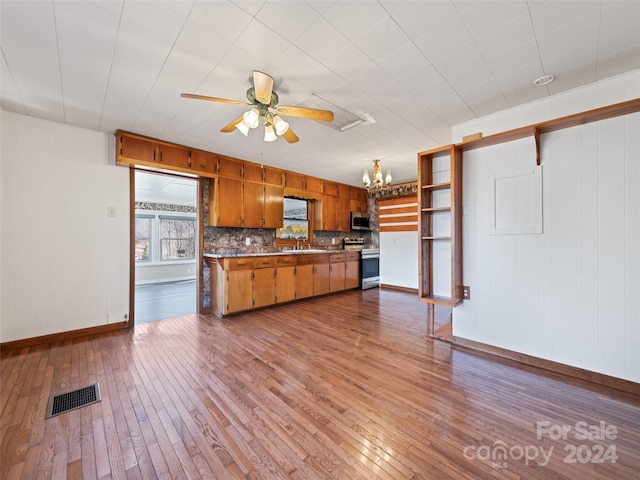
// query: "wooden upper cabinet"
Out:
[135,148]
[273,176]
[294,180]
[225,202]
[330,188]
[253,205]
[229,167]
[343,217]
[252,172]
[329,212]
[204,162]
[171,155]
[273,206]
[344,191]
[313,184]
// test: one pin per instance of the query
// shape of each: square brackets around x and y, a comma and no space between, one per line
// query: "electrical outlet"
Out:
[466,292]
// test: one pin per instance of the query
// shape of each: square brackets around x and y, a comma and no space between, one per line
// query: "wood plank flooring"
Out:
[347,386]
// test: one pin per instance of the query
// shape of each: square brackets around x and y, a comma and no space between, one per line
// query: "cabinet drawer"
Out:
[288,260]
[337,257]
[239,263]
[264,262]
[307,259]
[351,256]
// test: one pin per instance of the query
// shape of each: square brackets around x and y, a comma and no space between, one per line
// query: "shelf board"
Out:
[436,238]
[437,186]
[436,209]
[439,300]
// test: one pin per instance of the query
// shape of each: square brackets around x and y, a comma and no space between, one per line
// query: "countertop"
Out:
[269,251]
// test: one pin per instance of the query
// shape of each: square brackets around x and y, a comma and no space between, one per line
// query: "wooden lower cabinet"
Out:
[304,280]
[244,283]
[285,279]
[337,272]
[238,286]
[352,270]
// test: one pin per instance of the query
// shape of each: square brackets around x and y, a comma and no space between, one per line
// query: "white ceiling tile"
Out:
[382,39]
[463,58]
[261,42]
[513,59]
[618,62]
[443,39]
[506,36]
[489,105]
[332,40]
[10,96]
[552,15]
[416,18]
[252,7]
[289,19]
[417,79]
[192,58]
[86,40]
[223,19]
[114,7]
[155,18]
[371,79]
[612,42]
[428,94]
[574,76]
[571,36]
[470,78]
[402,61]
[183,7]
[452,110]
[353,19]
[619,15]
[350,61]
[484,17]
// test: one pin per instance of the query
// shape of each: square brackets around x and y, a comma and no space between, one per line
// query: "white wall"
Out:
[399,259]
[572,293]
[64,261]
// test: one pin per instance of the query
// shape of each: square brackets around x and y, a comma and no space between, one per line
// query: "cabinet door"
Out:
[330,188]
[253,205]
[174,156]
[230,167]
[228,202]
[285,284]
[336,277]
[313,184]
[329,212]
[352,274]
[321,279]
[294,180]
[273,176]
[264,287]
[138,149]
[204,162]
[304,281]
[252,172]
[343,218]
[238,291]
[273,206]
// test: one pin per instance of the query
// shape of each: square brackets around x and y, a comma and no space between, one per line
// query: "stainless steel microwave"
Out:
[360,221]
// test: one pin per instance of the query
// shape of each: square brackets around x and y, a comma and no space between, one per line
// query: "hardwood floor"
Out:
[346,386]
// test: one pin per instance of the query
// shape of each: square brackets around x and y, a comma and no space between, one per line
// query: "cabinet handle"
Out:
[160,156]
[154,155]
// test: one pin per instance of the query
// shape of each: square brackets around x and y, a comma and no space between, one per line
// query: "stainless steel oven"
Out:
[370,268]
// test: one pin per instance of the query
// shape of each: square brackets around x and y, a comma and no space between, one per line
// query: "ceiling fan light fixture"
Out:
[251,118]
[269,134]
[388,178]
[280,125]
[243,128]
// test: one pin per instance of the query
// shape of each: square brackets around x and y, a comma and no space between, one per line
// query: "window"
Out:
[143,238]
[177,238]
[296,220]
[164,236]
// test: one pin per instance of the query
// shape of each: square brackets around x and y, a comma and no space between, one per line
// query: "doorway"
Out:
[166,246]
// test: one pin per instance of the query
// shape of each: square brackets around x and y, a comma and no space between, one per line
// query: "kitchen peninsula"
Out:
[241,281]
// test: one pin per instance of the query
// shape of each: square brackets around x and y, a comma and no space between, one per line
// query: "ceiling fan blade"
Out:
[312,113]
[214,99]
[289,136]
[263,85]
[232,126]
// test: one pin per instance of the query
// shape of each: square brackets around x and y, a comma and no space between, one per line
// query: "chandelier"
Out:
[377,177]
[274,125]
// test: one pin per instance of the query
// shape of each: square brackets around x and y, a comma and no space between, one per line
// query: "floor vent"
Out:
[66,402]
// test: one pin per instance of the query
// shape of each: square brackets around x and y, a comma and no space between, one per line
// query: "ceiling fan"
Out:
[265,110]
